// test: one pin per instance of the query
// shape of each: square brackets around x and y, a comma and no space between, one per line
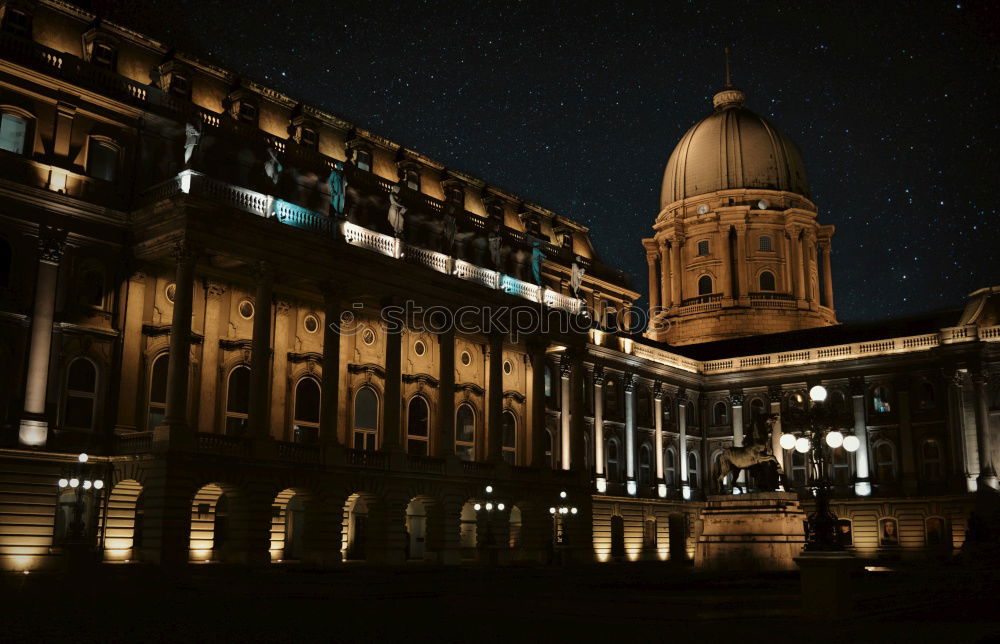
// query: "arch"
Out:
[156,401]
[756,408]
[288,526]
[693,478]
[509,437]
[705,285]
[417,425]
[670,467]
[80,398]
[305,414]
[237,400]
[720,413]
[885,461]
[365,418]
[645,465]
[465,432]
[931,459]
[125,517]
[16,129]
[209,524]
[677,524]
[355,535]
[766,281]
[612,465]
[416,529]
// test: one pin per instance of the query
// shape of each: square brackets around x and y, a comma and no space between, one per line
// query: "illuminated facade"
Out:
[196,279]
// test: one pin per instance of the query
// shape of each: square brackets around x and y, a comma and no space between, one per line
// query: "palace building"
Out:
[201,286]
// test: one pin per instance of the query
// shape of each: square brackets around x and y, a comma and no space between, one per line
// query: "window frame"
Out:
[512,450]
[693,470]
[242,417]
[724,422]
[367,434]
[771,286]
[29,127]
[610,448]
[298,422]
[150,404]
[466,446]
[765,244]
[703,247]
[879,463]
[645,465]
[99,141]
[937,462]
[670,467]
[705,279]
[414,439]
[69,394]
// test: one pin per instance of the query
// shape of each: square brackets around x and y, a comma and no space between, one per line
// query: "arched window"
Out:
[6,262]
[13,132]
[644,405]
[880,400]
[102,158]
[840,466]
[668,410]
[930,455]
[693,470]
[157,404]
[720,413]
[91,285]
[926,396]
[764,244]
[690,418]
[611,467]
[704,285]
[885,461]
[838,400]
[767,281]
[238,401]
[306,421]
[81,394]
[670,467]
[644,466]
[465,432]
[611,398]
[417,424]
[510,437]
[756,408]
[365,418]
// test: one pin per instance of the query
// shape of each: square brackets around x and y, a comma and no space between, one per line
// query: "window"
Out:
[310,323]
[840,467]
[365,418]
[180,85]
[880,401]
[17,22]
[509,437]
[157,406]
[309,137]
[417,423]
[885,461]
[102,159]
[363,159]
[720,414]
[238,401]
[767,281]
[756,408]
[614,475]
[6,262]
[307,401]
[670,467]
[704,285]
[91,286]
[644,403]
[668,414]
[799,464]
[693,470]
[703,248]
[246,309]
[466,358]
[103,54]
[13,132]
[935,530]
[645,477]
[465,432]
[548,383]
[926,396]
[930,455]
[690,418]
[611,398]
[419,348]
[764,244]
[247,112]
[412,179]
[81,394]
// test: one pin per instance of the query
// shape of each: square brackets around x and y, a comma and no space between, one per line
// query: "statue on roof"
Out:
[397,210]
[338,188]
[576,276]
[537,257]
[495,241]
[272,167]
[192,134]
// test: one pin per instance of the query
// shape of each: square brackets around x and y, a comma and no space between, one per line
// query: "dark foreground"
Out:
[609,603]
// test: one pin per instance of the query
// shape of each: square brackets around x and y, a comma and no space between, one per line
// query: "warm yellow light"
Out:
[834,439]
[802,445]
[787,441]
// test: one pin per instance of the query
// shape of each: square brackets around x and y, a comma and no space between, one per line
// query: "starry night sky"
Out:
[894,106]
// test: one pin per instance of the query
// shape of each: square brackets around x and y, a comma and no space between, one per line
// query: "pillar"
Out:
[565,452]
[909,468]
[631,485]
[665,288]
[494,402]
[599,474]
[742,269]
[576,412]
[827,276]
[987,475]
[678,278]
[805,265]
[446,384]
[862,473]
[796,263]
[131,364]
[963,480]
[260,355]
[661,488]
[214,321]
[175,430]
[330,394]
[536,351]
[282,390]
[34,428]
[774,396]
[726,275]
[736,402]
[654,283]
[393,374]
[682,453]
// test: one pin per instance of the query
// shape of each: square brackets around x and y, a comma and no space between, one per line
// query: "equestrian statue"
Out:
[755,452]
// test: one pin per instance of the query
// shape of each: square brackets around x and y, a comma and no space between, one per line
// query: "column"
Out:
[741,262]
[827,276]
[34,429]
[564,411]
[537,404]
[393,374]
[677,278]
[805,274]
[726,274]
[661,487]
[446,401]
[909,479]
[260,354]
[330,394]
[576,411]
[284,333]
[736,401]
[987,475]
[665,288]
[131,364]
[786,264]
[796,263]
[175,430]
[774,395]
[602,481]
[494,402]
[956,431]
[209,381]
[654,283]
[682,447]
[862,474]
[631,485]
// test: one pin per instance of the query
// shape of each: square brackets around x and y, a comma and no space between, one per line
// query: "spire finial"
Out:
[729,78]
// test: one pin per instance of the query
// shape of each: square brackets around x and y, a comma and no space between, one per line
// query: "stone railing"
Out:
[134,443]
[478,468]
[298,452]
[365,458]
[427,464]
[222,444]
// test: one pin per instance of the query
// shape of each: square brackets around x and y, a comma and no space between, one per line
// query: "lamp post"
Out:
[815,430]
[486,507]
[560,512]
[85,479]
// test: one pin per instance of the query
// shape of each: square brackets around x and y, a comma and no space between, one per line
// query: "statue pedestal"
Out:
[759,531]
[826,584]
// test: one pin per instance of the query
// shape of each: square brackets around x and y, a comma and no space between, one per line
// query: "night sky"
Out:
[894,106]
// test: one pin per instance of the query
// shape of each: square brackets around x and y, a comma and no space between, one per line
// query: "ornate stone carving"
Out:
[282,307]
[629,382]
[214,289]
[857,386]
[736,397]
[774,393]
[51,244]
[184,252]
[422,379]
[599,376]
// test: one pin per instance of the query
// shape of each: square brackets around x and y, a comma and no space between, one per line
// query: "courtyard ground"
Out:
[609,603]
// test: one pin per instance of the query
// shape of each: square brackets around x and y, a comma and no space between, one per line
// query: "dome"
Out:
[729,149]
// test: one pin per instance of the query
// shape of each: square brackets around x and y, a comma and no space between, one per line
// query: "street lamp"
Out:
[561,511]
[813,431]
[83,478]
[486,508]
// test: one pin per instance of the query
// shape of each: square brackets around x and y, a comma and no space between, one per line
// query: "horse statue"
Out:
[736,459]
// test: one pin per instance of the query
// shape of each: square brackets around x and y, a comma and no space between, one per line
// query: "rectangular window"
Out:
[413,180]
[102,160]
[103,55]
[364,160]
[13,130]
[180,86]
[703,247]
[248,112]
[309,137]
